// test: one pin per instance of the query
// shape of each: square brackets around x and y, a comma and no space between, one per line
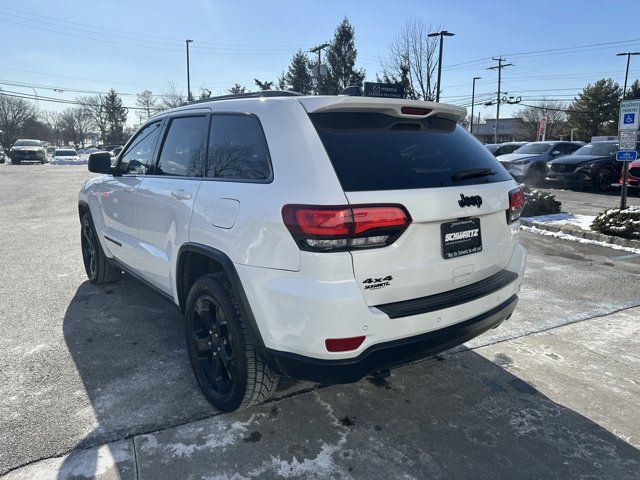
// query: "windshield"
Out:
[534,148]
[66,153]
[603,148]
[374,151]
[28,143]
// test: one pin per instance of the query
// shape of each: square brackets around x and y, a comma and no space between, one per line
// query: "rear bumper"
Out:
[389,354]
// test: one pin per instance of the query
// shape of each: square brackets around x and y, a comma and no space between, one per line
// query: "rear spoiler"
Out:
[396,107]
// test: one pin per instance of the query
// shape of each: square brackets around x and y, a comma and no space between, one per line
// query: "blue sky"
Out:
[133,45]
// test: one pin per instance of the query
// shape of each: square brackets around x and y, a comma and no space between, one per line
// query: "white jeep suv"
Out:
[323,238]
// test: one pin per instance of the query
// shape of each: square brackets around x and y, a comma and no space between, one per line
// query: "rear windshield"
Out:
[28,143]
[66,153]
[374,151]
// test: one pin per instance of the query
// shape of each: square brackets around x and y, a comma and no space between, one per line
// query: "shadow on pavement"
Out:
[458,416]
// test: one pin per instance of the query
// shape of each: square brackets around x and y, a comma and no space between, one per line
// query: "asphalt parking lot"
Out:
[552,393]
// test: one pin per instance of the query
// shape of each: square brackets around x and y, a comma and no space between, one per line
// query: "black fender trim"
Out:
[234,279]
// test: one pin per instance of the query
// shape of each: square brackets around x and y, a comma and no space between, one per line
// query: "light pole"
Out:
[473,101]
[441,34]
[189,97]
[625,166]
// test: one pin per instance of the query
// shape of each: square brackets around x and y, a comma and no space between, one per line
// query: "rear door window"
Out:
[183,148]
[374,151]
[237,149]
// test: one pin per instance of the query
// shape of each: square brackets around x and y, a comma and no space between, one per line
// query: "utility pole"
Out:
[189,97]
[318,49]
[625,166]
[473,100]
[498,67]
[441,34]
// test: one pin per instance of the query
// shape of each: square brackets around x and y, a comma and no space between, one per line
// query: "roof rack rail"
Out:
[261,94]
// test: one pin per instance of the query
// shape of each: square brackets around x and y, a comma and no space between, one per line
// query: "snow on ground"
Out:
[61,161]
[572,238]
[582,221]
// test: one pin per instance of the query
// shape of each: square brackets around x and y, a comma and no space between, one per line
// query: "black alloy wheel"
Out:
[604,179]
[89,244]
[213,340]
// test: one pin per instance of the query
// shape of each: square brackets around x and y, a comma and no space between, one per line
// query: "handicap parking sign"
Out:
[629,118]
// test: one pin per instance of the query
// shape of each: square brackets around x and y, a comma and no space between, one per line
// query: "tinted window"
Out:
[569,148]
[138,158]
[183,147]
[65,153]
[237,149]
[534,147]
[601,148]
[28,143]
[373,151]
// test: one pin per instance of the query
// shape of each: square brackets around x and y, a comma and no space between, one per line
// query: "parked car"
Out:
[66,156]
[27,150]
[529,162]
[503,148]
[3,156]
[593,165]
[402,243]
[633,178]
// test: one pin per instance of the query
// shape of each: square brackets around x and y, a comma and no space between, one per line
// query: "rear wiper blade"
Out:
[472,173]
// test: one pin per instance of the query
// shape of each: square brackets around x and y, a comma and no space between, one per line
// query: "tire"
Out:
[98,267]
[220,347]
[603,179]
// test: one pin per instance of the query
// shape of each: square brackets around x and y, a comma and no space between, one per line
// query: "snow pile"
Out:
[620,223]
[68,161]
[572,238]
[539,203]
[581,221]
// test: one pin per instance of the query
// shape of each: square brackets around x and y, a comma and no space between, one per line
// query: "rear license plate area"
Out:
[462,237]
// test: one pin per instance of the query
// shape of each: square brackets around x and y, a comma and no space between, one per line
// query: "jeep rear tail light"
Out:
[345,227]
[343,344]
[516,204]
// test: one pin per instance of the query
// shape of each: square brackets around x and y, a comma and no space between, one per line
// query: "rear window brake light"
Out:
[415,110]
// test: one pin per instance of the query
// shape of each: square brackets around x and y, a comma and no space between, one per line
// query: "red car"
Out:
[633,180]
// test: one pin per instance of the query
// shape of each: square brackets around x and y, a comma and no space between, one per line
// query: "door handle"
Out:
[181,195]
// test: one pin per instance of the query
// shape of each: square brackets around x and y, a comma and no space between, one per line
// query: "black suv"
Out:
[593,165]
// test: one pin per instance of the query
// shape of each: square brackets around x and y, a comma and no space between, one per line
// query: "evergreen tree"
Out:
[298,77]
[341,59]
[633,93]
[116,116]
[237,88]
[595,110]
[266,85]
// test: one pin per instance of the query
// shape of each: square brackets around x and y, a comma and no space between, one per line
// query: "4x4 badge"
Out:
[469,201]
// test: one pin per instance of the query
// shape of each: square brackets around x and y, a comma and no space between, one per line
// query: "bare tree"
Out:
[94,108]
[172,97]
[148,104]
[413,60]
[16,114]
[552,111]
[52,119]
[75,124]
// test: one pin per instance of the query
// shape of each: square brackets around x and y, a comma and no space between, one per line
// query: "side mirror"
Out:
[100,162]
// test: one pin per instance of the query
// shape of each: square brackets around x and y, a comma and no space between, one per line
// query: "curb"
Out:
[580,233]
